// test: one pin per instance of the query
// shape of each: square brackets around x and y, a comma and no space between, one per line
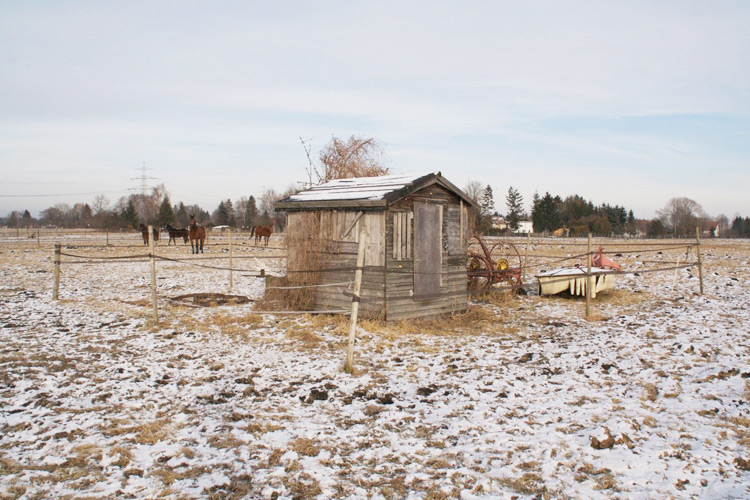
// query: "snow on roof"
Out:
[360,188]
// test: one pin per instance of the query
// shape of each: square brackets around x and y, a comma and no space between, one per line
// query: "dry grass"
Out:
[528,484]
[650,392]
[306,447]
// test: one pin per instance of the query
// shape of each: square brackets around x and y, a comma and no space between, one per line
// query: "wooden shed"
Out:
[415,252]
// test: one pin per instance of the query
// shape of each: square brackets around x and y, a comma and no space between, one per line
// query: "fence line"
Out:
[88,259]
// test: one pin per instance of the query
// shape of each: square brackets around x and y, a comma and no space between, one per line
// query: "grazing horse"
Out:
[261,232]
[175,233]
[144,233]
[197,235]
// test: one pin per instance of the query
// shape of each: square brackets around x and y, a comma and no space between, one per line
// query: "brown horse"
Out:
[144,233]
[261,232]
[197,235]
[175,233]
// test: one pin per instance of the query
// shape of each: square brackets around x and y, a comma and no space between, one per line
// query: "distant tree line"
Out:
[741,227]
[579,217]
[155,209]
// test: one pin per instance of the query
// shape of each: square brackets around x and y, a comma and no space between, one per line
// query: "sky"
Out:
[626,103]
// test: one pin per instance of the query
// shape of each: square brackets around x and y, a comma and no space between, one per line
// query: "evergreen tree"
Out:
[545,213]
[655,229]
[129,215]
[230,213]
[630,226]
[166,213]
[26,219]
[221,215]
[514,203]
[251,212]
[12,220]
[536,212]
[487,201]
[486,208]
[181,215]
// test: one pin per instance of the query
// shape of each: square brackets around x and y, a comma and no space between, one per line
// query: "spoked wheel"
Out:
[480,275]
[508,264]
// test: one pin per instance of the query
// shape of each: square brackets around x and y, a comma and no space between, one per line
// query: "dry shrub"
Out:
[308,244]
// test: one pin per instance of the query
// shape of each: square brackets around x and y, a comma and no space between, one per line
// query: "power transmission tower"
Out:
[141,205]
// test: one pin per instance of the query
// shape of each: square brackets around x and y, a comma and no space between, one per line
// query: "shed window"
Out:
[402,235]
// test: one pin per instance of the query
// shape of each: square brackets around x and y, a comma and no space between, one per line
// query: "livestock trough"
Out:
[573,280]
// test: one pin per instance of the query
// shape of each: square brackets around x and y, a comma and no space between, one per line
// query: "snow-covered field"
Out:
[519,398]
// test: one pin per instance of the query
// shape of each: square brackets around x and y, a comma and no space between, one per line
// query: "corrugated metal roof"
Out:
[360,188]
[366,193]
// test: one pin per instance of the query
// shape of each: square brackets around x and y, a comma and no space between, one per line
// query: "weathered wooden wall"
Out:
[388,282]
[450,295]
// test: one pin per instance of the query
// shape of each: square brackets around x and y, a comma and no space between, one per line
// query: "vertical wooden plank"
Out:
[402,243]
[349,364]
[461,235]
[376,248]
[409,217]
[394,235]
[399,236]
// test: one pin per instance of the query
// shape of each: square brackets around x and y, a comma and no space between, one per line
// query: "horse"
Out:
[144,233]
[261,232]
[196,234]
[175,233]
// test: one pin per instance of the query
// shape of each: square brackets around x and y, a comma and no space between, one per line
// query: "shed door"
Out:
[428,236]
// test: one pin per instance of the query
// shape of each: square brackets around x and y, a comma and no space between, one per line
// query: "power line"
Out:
[57,194]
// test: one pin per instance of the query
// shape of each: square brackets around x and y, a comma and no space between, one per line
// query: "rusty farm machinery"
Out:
[496,264]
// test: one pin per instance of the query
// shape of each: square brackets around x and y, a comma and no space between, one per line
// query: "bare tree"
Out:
[722,224]
[474,190]
[681,216]
[355,157]
[100,205]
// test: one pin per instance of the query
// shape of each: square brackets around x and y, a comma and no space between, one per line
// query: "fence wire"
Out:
[469,292]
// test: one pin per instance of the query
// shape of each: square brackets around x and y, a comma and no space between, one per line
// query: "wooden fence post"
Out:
[700,262]
[56,282]
[525,258]
[152,255]
[231,254]
[349,366]
[588,277]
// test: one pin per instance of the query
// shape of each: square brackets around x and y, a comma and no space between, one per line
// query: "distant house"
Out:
[416,251]
[525,227]
[498,222]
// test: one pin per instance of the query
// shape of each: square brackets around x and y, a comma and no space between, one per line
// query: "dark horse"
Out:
[175,233]
[197,235]
[144,233]
[261,232]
